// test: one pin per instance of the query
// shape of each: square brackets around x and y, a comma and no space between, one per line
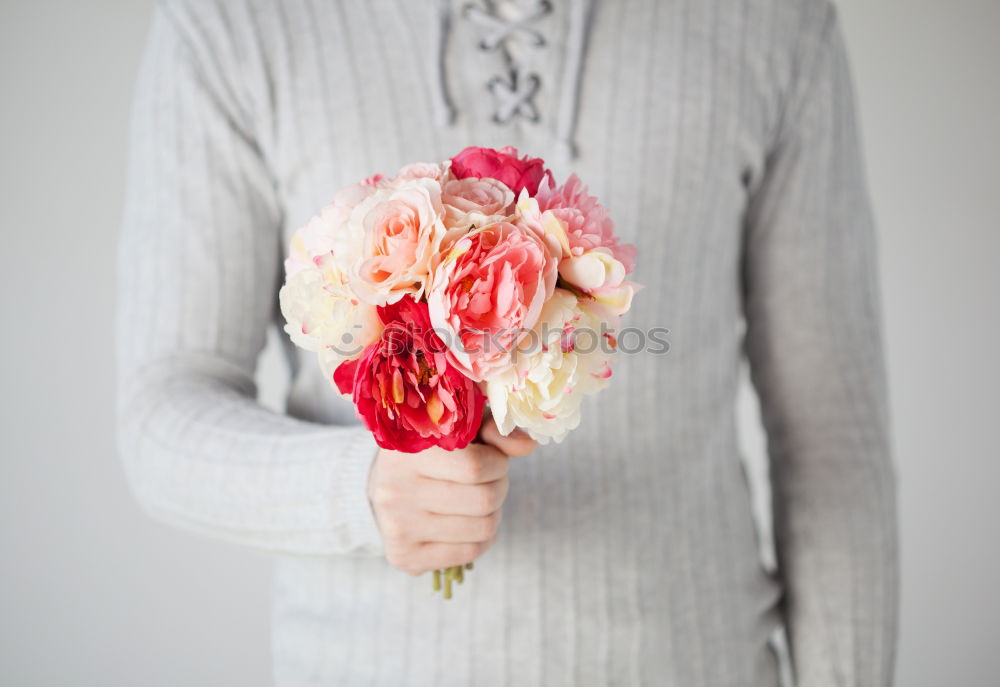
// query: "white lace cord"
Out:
[581,19]
[445,105]
[514,93]
[514,97]
[498,29]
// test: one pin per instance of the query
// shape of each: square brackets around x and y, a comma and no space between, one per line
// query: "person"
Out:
[724,141]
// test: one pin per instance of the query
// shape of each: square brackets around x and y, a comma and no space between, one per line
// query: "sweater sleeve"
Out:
[200,259]
[814,346]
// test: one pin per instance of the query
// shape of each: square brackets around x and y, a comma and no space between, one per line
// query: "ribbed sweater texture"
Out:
[722,136]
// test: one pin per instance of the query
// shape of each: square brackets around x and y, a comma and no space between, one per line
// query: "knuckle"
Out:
[468,552]
[485,545]
[403,558]
[482,547]
[398,558]
[385,494]
[488,451]
[489,526]
[474,468]
[504,468]
[393,530]
[488,499]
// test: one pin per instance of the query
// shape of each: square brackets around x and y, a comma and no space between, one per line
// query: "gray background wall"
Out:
[93,593]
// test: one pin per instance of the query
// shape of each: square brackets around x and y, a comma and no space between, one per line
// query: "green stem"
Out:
[448,574]
[454,574]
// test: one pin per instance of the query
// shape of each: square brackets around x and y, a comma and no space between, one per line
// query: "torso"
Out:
[628,552]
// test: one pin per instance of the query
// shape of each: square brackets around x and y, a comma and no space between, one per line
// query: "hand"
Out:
[436,509]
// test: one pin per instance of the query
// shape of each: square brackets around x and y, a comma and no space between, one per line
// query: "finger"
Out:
[438,555]
[452,498]
[475,464]
[516,444]
[457,529]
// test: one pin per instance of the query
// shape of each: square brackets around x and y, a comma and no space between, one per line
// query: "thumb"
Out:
[517,443]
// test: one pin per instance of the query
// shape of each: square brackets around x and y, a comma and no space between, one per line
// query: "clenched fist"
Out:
[438,508]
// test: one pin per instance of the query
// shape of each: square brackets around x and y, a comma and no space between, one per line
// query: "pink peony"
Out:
[404,389]
[504,165]
[487,292]
[586,221]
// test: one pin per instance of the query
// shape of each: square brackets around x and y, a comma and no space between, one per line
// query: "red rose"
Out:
[503,165]
[404,389]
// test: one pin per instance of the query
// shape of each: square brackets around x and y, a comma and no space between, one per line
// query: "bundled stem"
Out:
[455,573]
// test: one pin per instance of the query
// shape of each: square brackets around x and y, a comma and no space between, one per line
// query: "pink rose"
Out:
[404,389]
[391,240]
[475,201]
[504,165]
[586,221]
[487,292]
[421,170]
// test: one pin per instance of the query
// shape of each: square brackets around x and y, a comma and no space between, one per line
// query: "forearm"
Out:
[198,269]
[200,453]
[835,521]
[834,486]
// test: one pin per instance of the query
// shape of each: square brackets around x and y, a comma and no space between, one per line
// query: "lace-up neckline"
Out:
[514,91]
[509,29]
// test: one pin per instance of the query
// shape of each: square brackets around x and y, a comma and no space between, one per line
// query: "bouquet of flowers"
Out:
[449,287]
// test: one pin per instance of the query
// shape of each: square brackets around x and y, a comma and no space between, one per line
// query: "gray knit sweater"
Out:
[722,136]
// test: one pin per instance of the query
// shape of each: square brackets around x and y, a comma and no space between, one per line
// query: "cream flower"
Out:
[602,276]
[326,233]
[567,358]
[545,225]
[323,315]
